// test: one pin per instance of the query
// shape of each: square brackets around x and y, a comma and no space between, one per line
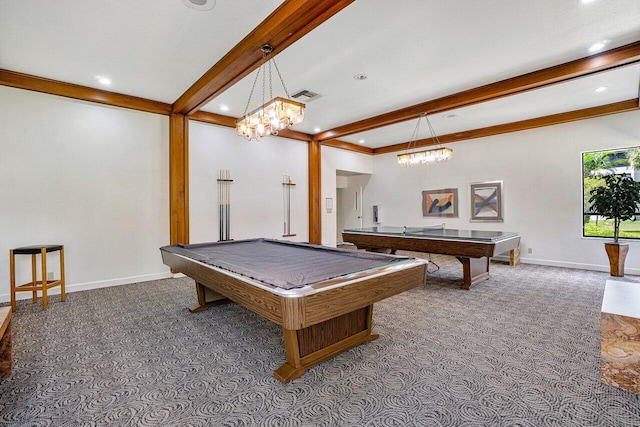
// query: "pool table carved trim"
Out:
[317,325]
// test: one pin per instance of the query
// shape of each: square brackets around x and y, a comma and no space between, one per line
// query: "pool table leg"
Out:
[388,251]
[314,344]
[514,256]
[475,270]
[207,298]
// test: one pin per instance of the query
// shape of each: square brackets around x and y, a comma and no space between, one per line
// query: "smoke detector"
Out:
[200,4]
[306,96]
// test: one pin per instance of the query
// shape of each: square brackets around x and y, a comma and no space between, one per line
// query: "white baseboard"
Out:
[562,264]
[94,285]
[157,276]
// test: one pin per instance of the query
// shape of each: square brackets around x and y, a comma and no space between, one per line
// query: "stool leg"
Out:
[34,278]
[63,296]
[43,256]
[12,276]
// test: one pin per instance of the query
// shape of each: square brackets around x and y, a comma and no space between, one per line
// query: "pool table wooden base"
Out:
[474,270]
[474,256]
[307,347]
[207,298]
[312,345]
[317,326]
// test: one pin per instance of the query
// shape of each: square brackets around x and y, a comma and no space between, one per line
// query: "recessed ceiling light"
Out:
[450,116]
[361,141]
[223,107]
[201,5]
[596,47]
[316,129]
[103,80]
[600,89]
[586,1]
[360,77]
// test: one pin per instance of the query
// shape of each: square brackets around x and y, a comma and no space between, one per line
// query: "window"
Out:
[594,165]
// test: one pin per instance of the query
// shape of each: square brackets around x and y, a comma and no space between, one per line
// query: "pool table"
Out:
[472,248]
[321,297]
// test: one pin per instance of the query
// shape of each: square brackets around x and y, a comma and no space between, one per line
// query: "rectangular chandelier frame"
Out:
[270,118]
[424,157]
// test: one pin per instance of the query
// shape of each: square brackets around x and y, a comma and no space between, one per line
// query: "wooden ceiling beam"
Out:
[554,119]
[288,23]
[83,93]
[336,143]
[606,60]
[213,119]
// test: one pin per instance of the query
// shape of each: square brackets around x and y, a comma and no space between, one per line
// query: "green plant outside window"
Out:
[596,164]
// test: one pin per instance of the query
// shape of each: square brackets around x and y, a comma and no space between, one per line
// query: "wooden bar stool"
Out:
[36,285]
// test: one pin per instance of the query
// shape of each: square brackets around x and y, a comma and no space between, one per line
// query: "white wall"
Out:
[256,168]
[334,159]
[91,177]
[541,174]
[95,178]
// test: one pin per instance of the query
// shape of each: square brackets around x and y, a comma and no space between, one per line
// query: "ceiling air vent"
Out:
[305,96]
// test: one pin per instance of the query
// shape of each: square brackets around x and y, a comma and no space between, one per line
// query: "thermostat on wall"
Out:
[377,214]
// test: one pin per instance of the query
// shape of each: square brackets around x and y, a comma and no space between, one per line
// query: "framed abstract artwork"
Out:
[440,203]
[486,201]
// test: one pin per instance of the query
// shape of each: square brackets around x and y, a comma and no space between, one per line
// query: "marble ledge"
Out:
[620,336]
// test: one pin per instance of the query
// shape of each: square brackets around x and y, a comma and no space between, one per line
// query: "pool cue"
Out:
[228,202]
[284,202]
[288,204]
[224,204]
[220,221]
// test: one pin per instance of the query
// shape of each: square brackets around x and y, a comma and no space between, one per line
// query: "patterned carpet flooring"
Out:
[521,349]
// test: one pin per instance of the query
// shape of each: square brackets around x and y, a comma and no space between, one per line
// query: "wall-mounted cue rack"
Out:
[286,204]
[224,204]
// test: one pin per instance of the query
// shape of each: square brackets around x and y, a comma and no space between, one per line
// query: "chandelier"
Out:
[273,116]
[440,154]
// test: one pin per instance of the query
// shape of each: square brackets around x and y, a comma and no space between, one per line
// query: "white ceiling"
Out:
[622,84]
[411,50]
[154,49]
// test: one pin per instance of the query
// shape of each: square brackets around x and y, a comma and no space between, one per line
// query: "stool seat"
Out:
[35,285]
[36,249]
